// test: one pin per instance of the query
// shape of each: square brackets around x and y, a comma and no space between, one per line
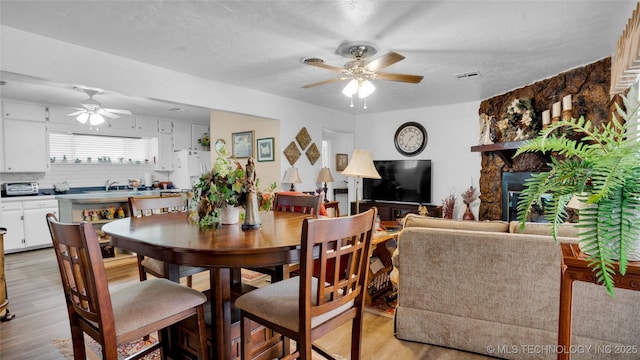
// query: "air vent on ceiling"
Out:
[467,75]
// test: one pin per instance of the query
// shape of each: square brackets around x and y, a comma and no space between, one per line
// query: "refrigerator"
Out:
[188,166]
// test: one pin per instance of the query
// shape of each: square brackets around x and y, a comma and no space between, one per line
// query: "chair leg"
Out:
[202,334]
[141,272]
[245,337]
[189,281]
[77,338]
[356,334]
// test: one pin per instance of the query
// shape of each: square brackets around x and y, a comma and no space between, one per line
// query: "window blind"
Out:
[118,149]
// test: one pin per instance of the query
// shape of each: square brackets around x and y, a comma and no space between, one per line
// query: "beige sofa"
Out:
[484,287]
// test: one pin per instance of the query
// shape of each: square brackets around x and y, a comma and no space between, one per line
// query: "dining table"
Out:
[225,249]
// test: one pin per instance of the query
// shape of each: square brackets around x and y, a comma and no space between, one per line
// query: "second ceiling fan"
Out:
[93,111]
[360,71]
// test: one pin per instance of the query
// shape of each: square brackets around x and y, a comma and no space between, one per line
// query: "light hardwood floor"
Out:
[35,295]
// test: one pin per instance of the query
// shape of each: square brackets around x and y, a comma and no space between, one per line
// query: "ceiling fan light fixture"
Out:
[82,118]
[96,119]
[365,89]
[351,88]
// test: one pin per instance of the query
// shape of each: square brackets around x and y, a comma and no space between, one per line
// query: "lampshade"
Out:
[351,88]
[325,175]
[94,118]
[365,89]
[361,165]
[291,176]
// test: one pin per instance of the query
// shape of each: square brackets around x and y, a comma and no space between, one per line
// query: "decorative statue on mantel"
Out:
[252,216]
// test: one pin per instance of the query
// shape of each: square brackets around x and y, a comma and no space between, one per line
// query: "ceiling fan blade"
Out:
[103,112]
[77,112]
[414,79]
[384,61]
[323,82]
[118,111]
[325,66]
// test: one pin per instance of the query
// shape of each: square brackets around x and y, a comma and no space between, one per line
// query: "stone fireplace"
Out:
[589,88]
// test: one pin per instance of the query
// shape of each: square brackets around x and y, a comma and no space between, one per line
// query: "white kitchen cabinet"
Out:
[36,230]
[124,122]
[165,126]
[146,124]
[11,219]
[61,116]
[26,146]
[165,153]
[197,132]
[181,136]
[23,111]
[26,223]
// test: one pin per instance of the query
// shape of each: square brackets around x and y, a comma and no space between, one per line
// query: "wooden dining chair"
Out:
[301,203]
[306,307]
[124,315]
[298,203]
[148,206]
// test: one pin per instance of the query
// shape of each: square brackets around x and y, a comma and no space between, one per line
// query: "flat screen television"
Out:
[407,181]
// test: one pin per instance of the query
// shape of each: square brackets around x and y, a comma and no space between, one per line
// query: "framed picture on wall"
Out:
[242,144]
[341,161]
[265,149]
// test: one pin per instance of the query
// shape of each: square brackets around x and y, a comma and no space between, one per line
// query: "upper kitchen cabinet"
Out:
[165,126]
[146,124]
[25,145]
[61,116]
[123,122]
[181,136]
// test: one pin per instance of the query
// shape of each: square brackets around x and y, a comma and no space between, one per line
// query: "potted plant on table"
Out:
[603,171]
[219,194]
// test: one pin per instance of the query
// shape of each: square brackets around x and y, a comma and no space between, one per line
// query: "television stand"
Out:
[392,210]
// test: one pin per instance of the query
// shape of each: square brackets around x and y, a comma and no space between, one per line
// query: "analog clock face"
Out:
[410,138]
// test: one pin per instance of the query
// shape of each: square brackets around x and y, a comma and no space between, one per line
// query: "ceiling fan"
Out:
[93,111]
[360,70]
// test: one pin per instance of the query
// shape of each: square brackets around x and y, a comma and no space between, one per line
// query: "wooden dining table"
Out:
[224,250]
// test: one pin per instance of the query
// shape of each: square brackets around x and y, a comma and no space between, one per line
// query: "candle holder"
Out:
[566,115]
[555,119]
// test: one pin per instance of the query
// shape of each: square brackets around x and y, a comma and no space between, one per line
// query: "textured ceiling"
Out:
[260,44]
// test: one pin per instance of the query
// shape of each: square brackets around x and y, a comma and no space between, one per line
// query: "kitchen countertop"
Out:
[87,193]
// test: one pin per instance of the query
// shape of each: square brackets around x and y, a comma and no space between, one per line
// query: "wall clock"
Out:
[410,138]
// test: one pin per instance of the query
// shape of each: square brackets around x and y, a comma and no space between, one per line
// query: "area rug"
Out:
[94,351]
[380,305]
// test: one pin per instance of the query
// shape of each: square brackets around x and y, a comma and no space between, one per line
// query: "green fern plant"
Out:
[603,171]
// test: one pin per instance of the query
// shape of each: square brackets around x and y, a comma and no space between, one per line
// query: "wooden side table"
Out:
[576,268]
[333,205]
[379,283]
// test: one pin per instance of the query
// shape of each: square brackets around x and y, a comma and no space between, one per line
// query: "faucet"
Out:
[108,184]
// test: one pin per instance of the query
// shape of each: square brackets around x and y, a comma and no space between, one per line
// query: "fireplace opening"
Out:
[512,186]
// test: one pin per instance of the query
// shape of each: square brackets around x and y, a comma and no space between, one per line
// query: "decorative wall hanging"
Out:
[303,138]
[313,154]
[292,153]
[242,144]
[341,161]
[265,149]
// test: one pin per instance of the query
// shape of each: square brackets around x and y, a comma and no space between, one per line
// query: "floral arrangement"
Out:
[470,195]
[519,121]
[224,185]
[205,140]
[448,203]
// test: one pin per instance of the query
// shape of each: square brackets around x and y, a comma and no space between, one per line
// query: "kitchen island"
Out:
[99,208]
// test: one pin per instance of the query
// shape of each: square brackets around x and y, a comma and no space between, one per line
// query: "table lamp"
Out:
[324,177]
[361,166]
[292,177]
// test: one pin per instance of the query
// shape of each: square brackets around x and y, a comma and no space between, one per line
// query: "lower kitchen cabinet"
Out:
[26,223]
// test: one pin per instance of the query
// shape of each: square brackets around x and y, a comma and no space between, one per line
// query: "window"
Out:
[99,148]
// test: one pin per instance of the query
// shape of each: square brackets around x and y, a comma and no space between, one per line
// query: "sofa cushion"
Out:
[413,220]
[564,230]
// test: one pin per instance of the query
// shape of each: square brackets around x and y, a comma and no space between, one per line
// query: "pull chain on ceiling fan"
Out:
[93,111]
[360,71]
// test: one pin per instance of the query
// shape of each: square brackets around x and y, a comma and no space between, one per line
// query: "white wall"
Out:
[452,130]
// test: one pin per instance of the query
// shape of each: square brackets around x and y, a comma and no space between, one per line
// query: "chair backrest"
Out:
[301,203]
[336,243]
[83,276]
[145,206]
